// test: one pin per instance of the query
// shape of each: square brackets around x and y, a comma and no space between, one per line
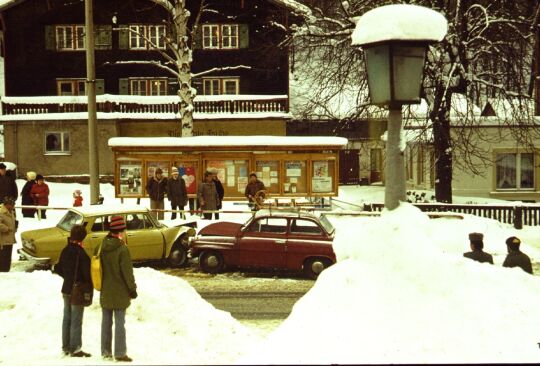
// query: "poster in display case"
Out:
[130,178]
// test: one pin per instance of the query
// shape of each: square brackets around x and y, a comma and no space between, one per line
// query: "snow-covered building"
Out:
[239,70]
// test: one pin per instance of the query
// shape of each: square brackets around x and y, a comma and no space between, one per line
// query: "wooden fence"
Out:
[516,215]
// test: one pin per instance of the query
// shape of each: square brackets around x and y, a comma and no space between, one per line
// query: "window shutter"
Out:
[103,37]
[123,86]
[197,38]
[100,86]
[123,37]
[172,84]
[50,39]
[243,30]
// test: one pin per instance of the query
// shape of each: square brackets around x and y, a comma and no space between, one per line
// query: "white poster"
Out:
[321,184]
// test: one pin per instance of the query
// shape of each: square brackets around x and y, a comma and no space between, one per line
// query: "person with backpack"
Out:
[73,266]
[118,288]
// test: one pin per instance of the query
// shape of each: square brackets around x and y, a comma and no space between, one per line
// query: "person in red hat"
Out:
[118,288]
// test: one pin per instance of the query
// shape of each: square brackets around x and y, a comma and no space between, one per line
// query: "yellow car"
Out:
[147,238]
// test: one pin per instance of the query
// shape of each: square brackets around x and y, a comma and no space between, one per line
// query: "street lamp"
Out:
[395,39]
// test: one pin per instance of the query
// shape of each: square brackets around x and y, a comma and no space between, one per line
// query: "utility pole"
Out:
[93,158]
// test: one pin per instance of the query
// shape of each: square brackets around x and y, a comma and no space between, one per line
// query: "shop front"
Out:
[288,166]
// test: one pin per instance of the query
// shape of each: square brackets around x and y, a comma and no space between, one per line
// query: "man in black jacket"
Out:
[515,257]
[219,188]
[8,187]
[156,188]
[73,259]
[176,193]
[477,246]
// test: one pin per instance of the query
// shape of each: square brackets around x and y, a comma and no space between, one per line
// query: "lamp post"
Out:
[395,39]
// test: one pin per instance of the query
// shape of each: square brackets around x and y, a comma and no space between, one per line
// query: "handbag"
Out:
[95,269]
[81,292]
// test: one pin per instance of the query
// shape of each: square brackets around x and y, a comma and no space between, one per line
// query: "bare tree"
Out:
[487,53]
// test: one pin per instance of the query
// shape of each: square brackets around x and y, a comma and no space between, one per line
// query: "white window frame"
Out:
[221,36]
[146,85]
[75,41]
[139,34]
[209,85]
[499,181]
[63,149]
[74,85]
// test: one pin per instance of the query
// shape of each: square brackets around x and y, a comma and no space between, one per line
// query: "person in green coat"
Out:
[117,289]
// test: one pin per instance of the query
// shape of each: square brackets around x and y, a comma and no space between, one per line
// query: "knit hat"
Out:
[117,224]
[31,175]
[174,169]
[476,236]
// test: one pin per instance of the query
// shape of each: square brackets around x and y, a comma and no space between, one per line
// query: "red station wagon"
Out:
[270,239]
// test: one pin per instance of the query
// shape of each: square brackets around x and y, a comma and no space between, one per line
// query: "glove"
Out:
[133,294]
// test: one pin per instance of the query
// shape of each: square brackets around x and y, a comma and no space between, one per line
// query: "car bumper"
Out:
[27,256]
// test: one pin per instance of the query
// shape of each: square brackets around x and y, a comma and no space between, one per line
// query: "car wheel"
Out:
[211,262]
[178,255]
[314,266]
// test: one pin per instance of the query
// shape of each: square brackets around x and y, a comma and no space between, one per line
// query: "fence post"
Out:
[518,217]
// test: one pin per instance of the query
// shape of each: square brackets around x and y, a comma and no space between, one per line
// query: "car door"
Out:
[98,229]
[306,238]
[263,243]
[144,239]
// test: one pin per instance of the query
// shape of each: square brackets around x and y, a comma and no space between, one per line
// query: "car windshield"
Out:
[70,218]
[326,224]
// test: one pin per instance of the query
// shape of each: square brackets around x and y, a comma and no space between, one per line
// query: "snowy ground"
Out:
[401,292]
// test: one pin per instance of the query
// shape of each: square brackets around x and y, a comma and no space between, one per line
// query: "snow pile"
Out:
[168,323]
[395,297]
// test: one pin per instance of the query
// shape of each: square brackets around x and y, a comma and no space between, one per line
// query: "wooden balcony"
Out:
[132,104]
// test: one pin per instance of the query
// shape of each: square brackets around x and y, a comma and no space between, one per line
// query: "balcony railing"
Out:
[204,104]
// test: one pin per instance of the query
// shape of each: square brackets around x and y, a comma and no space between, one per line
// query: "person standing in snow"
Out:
[118,287]
[40,194]
[477,246]
[176,193]
[515,257]
[254,186]
[8,227]
[8,187]
[26,197]
[77,198]
[156,188]
[219,189]
[73,258]
[207,196]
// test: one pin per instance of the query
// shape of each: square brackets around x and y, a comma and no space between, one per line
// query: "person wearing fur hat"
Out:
[477,253]
[176,193]
[26,197]
[118,288]
[515,257]
[8,227]
[73,258]
[40,194]
[156,188]
[8,187]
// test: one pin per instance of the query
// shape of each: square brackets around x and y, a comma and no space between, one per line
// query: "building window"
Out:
[515,171]
[148,86]
[217,86]
[144,37]
[69,37]
[223,36]
[57,143]
[71,87]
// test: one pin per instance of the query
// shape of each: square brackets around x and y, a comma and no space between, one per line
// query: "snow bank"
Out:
[168,323]
[395,297]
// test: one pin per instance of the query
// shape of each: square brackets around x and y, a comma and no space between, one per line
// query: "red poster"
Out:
[188,174]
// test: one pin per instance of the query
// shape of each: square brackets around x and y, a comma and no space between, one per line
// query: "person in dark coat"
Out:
[477,246]
[8,227]
[219,189]
[207,196]
[8,187]
[254,186]
[73,258]
[118,288]
[40,194]
[176,193]
[26,197]
[156,188]
[515,257]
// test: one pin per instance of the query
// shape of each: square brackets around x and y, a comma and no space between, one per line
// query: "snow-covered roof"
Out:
[509,108]
[247,141]
[399,22]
